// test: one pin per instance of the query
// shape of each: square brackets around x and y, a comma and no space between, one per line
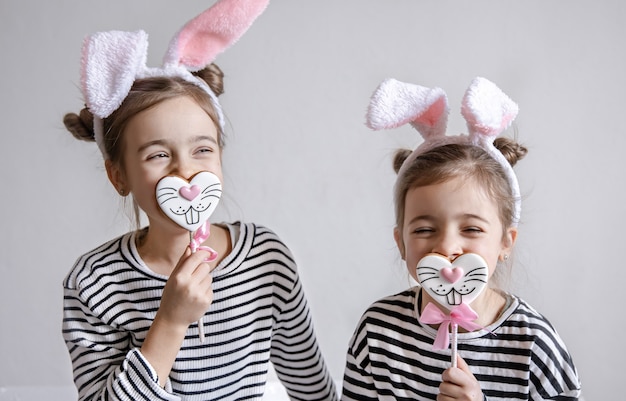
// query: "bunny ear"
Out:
[200,41]
[110,61]
[396,103]
[487,110]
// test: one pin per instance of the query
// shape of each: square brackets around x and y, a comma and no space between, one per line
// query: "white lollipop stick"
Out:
[453,343]
[190,204]
[201,320]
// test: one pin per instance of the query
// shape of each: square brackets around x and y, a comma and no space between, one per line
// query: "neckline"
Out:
[511,305]
[237,232]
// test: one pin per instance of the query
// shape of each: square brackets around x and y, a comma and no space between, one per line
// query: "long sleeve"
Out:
[295,352]
[358,384]
[104,368]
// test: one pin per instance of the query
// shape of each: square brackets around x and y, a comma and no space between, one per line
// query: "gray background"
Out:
[300,160]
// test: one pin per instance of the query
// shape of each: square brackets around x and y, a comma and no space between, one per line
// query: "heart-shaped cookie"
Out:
[189,204]
[453,283]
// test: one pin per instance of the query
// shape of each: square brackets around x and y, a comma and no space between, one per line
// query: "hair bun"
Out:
[213,76]
[399,158]
[81,126]
[510,149]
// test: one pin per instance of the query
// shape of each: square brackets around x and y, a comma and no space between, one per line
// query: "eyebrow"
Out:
[195,139]
[430,218]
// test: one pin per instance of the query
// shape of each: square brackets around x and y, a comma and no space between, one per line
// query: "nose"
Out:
[449,245]
[183,168]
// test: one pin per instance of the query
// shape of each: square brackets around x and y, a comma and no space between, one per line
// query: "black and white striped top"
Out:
[519,357]
[259,314]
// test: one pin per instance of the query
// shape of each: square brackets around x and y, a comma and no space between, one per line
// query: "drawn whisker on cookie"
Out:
[211,188]
[161,202]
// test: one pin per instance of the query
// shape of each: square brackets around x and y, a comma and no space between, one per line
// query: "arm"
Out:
[553,375]
[105,363]
[358,384]
[295,352]
[186,296]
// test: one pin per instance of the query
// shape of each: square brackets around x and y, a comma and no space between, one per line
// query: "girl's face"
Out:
[175,137]
[452,218]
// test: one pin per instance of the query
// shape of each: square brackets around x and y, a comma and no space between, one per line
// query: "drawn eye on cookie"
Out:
[189,203]
[453,283]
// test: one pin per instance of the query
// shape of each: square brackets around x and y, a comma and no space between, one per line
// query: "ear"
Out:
[199,42]
[397,236]
[116,177]
[508,241]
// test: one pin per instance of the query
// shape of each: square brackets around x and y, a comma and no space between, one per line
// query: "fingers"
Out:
[459,384]
[461,364]
[188,292]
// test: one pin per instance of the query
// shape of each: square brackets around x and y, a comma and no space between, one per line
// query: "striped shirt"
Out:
[259,314]
[519,357]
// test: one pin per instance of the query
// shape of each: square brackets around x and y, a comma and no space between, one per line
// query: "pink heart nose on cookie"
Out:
[189,193]
[452,275]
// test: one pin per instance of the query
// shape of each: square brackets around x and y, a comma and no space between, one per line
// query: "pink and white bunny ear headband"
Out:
[112,61]
[486,109]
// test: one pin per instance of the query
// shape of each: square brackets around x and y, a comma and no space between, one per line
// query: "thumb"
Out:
[461,364]
[183,258]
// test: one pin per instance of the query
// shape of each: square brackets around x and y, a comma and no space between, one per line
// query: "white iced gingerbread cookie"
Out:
[453,283]
[189,204]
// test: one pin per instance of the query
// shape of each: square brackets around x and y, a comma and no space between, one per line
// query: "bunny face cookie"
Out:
[189,204]
[453,283]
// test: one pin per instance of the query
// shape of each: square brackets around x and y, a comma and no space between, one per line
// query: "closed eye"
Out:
[205,150]
[423,230]
[157,155]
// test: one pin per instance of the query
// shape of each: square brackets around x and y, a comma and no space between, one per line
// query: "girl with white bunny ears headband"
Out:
[486,109]
[112,61]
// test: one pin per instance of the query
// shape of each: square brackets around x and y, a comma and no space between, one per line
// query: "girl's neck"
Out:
[161,249]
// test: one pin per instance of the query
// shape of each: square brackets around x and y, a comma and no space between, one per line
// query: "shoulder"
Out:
[261,239]
[256,246]
[552,361]
[527,324]
[90,265]
[394,312]
[525,315]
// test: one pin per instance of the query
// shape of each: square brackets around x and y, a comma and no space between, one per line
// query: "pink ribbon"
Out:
[461,315]
[199,237]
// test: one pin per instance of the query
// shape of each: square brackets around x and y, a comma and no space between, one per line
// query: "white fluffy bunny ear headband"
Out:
[486,109]
[112,61]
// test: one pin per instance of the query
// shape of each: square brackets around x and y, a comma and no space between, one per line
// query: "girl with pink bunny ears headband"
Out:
[487,110]
[457,206]
[112,61]
[161,313]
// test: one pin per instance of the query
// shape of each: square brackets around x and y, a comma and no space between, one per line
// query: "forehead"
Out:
[454,197]
[172,119]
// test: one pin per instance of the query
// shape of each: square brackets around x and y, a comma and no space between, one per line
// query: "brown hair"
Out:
[458,160]
[144,94]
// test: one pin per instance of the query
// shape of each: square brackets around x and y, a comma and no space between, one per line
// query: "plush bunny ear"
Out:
[487,110]
[199,42]
[110,61]
[396,103]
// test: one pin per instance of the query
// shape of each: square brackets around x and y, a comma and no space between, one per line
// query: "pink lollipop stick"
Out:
[195,241]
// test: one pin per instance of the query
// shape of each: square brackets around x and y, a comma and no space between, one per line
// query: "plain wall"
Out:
[300,160]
